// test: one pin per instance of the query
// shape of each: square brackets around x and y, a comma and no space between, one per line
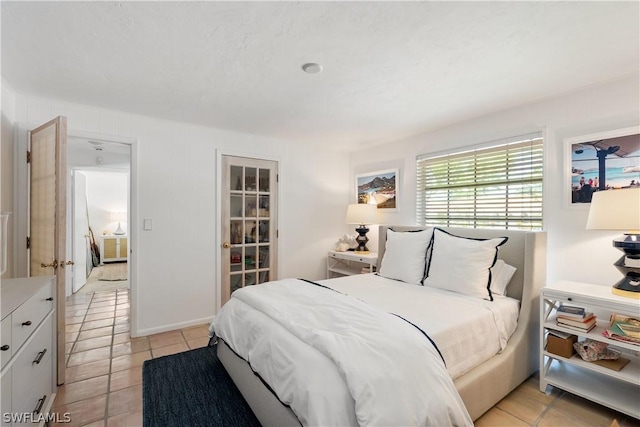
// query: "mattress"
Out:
[337,360]
[467,330]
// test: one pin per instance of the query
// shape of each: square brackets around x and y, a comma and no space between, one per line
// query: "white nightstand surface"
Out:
[590,293]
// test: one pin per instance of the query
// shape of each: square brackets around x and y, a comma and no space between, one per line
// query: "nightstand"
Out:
[618,390]
[348,263]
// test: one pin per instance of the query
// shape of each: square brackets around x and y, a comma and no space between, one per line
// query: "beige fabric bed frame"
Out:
[482,387]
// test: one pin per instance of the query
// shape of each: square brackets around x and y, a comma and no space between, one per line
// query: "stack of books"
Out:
[623,328]
[575,318]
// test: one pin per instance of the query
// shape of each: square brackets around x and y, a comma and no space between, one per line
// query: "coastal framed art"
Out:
[605,161]
[379,188]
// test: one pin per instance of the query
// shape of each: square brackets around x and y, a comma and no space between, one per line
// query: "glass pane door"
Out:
[249,202]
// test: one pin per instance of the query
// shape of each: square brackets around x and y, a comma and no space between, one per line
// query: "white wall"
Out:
[107,192]
[174,272]
[573,252]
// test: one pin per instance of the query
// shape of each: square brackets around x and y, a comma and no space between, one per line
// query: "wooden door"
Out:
[249,223]
[47,216]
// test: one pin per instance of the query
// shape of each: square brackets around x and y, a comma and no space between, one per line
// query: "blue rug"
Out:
[192,389]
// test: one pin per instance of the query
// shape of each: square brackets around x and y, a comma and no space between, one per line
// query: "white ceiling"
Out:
[391,69]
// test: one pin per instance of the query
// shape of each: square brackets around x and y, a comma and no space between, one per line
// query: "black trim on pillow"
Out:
[478,239]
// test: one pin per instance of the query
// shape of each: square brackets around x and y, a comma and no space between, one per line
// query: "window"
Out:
[496,185]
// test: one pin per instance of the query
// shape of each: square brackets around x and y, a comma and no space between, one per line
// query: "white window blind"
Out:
[495,186]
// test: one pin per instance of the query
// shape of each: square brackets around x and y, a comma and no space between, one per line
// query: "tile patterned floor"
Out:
[104,374]
[104,364]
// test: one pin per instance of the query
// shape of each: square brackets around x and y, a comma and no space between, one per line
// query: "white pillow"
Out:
[461,264]
[501,274]
[405,255]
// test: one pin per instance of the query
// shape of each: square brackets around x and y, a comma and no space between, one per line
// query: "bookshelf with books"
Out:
[614,385]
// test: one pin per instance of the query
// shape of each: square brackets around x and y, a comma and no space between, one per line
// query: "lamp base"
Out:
[628,287]
[362,240]
[629,265]
[626,294]
[119,231]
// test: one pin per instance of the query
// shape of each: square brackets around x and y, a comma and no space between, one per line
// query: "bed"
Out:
[478,384]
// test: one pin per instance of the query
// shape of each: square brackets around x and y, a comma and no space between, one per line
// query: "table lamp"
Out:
[620,210]
[118,216]
[363,215]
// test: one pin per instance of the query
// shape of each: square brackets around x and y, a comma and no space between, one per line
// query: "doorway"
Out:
[99,171]
[99,195]
[249,217]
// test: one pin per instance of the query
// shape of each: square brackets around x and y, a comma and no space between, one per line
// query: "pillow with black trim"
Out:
[405,255]
[462,264]
[501,274]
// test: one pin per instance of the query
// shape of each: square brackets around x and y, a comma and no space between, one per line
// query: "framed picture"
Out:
[605,161]
[379,188]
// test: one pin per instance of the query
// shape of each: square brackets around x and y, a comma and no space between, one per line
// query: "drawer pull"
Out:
[27,323]
[38,358]
[50,299]
[5,347]
[39,405]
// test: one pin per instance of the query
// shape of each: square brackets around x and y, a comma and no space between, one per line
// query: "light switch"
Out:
[147,224]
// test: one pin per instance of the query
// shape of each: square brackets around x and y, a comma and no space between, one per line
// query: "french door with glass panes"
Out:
[249,221]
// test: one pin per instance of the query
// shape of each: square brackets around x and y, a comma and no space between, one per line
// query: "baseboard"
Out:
[171,327]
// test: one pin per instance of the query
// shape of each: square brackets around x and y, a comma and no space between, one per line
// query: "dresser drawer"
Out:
[29,366]
[39,396]
[5,340]
[26,318]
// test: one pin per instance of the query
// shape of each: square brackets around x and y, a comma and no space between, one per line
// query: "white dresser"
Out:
[113,248]
[27,348]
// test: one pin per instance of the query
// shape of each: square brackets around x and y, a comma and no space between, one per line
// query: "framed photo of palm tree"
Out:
[605,161]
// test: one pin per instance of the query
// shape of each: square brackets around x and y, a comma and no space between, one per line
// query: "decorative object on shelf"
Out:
[346,242]
[4,219]
[620,210]
[602,161]
[623,328]
[571,311]
[591,350]
[118,216]
[561,343]
[363,215]
[378,188]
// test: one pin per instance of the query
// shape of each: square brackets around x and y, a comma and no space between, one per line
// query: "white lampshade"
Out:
[615,210]
[362,214]
[118,216]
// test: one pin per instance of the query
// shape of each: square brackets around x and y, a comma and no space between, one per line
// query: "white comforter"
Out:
[354,363]
[467,330]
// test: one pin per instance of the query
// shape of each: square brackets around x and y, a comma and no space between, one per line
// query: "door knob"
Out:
[54,264]
[226,245]
[63,263]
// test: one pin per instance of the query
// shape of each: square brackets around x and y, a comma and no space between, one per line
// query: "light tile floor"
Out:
[104,374]
[103,384]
